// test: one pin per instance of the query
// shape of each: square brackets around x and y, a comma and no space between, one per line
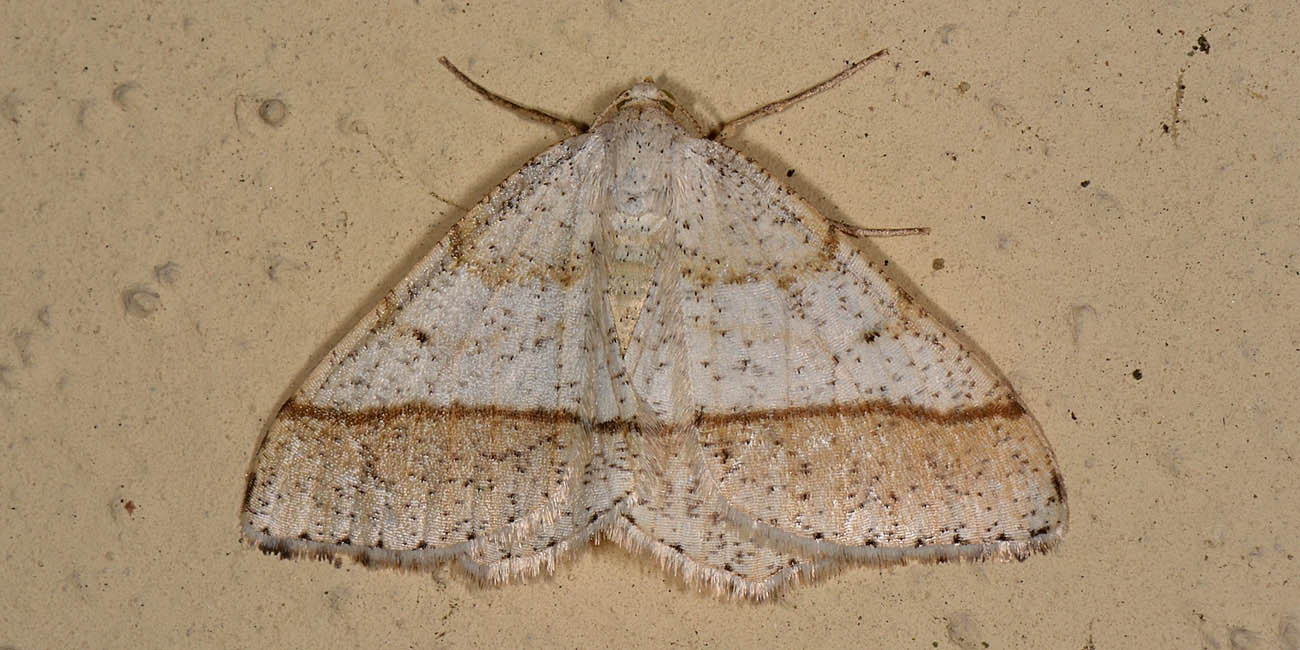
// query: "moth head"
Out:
[646,97]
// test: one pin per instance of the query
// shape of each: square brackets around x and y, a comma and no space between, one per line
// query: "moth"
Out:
[642,336]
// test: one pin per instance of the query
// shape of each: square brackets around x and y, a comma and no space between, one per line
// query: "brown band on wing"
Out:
[378,415]
[1006,410]
[833,480]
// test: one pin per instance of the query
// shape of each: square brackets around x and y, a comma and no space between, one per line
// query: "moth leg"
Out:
[862,233]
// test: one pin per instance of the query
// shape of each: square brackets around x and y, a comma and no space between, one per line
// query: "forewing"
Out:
[462,414]
[839,418]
